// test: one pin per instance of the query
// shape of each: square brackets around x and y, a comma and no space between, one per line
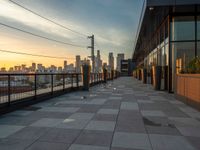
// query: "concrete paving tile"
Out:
[17,120]
[129,115]
[136,126]
[20,113]
[14,144]
[82,102]
[60,135]
[47,122]
[108,111]
[117,148]
[87,147]
[97,101]
[185,122]
[73,124]
[98,138]
[175,113]
[155,113]
[6,130]
[169,142]
[129,106]
[104,117]
[60,109]
[101,125]
[48,146]
[115,98]
[176,102]
[29,133]
[82,116]
[194,115]
[131,140]
[42,114]
[188,109]
[145,101]
[194,141]
[89,109]
[189,131]
[165,130]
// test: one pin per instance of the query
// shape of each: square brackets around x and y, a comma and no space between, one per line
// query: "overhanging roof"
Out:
[151,19]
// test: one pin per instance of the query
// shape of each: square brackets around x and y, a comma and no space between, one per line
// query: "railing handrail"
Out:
[24,74]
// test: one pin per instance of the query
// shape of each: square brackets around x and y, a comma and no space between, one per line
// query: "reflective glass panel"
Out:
[183,28]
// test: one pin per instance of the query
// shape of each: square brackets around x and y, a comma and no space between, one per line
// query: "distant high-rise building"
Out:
[33,67]
[3,69]
[23,68]
[70,68]
[40,68]
[98,62]
[78,64]
[60,69]
[110,62]
[105,65]
[120,57]
[65,66]
[53,68]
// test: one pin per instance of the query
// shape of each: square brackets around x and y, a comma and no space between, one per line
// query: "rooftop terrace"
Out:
[121,115]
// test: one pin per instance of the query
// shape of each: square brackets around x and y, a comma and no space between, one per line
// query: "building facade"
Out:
[78,64]
[110,62]
[168,38]
[98,62]
[120,57]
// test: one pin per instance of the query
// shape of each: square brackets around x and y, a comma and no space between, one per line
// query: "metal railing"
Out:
[16,87]
[30,87]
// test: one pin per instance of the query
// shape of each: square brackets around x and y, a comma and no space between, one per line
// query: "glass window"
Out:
[163,57]
[159,57]
[198,27]
[183,28]
[198,49]
[167,54]
[166,29]
[182,54]
[162,34]
[155,57]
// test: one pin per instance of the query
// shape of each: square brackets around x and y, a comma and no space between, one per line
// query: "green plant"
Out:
[193,66]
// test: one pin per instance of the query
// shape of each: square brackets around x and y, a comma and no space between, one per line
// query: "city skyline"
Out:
[110,35]
[68,65]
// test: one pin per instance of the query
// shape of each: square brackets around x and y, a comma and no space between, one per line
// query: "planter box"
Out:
[188,87]
[156,73]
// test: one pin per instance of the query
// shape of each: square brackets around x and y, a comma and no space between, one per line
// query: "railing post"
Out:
[51,84]
[72,81]
[77,80]
[86,77]
[9,90]
[104,75]
[63,76]
[112,74]
[35,87]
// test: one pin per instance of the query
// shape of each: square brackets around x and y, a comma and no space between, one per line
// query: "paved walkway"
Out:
[123,115]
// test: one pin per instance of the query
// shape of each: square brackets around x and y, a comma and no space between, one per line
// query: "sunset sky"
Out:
[113,22]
